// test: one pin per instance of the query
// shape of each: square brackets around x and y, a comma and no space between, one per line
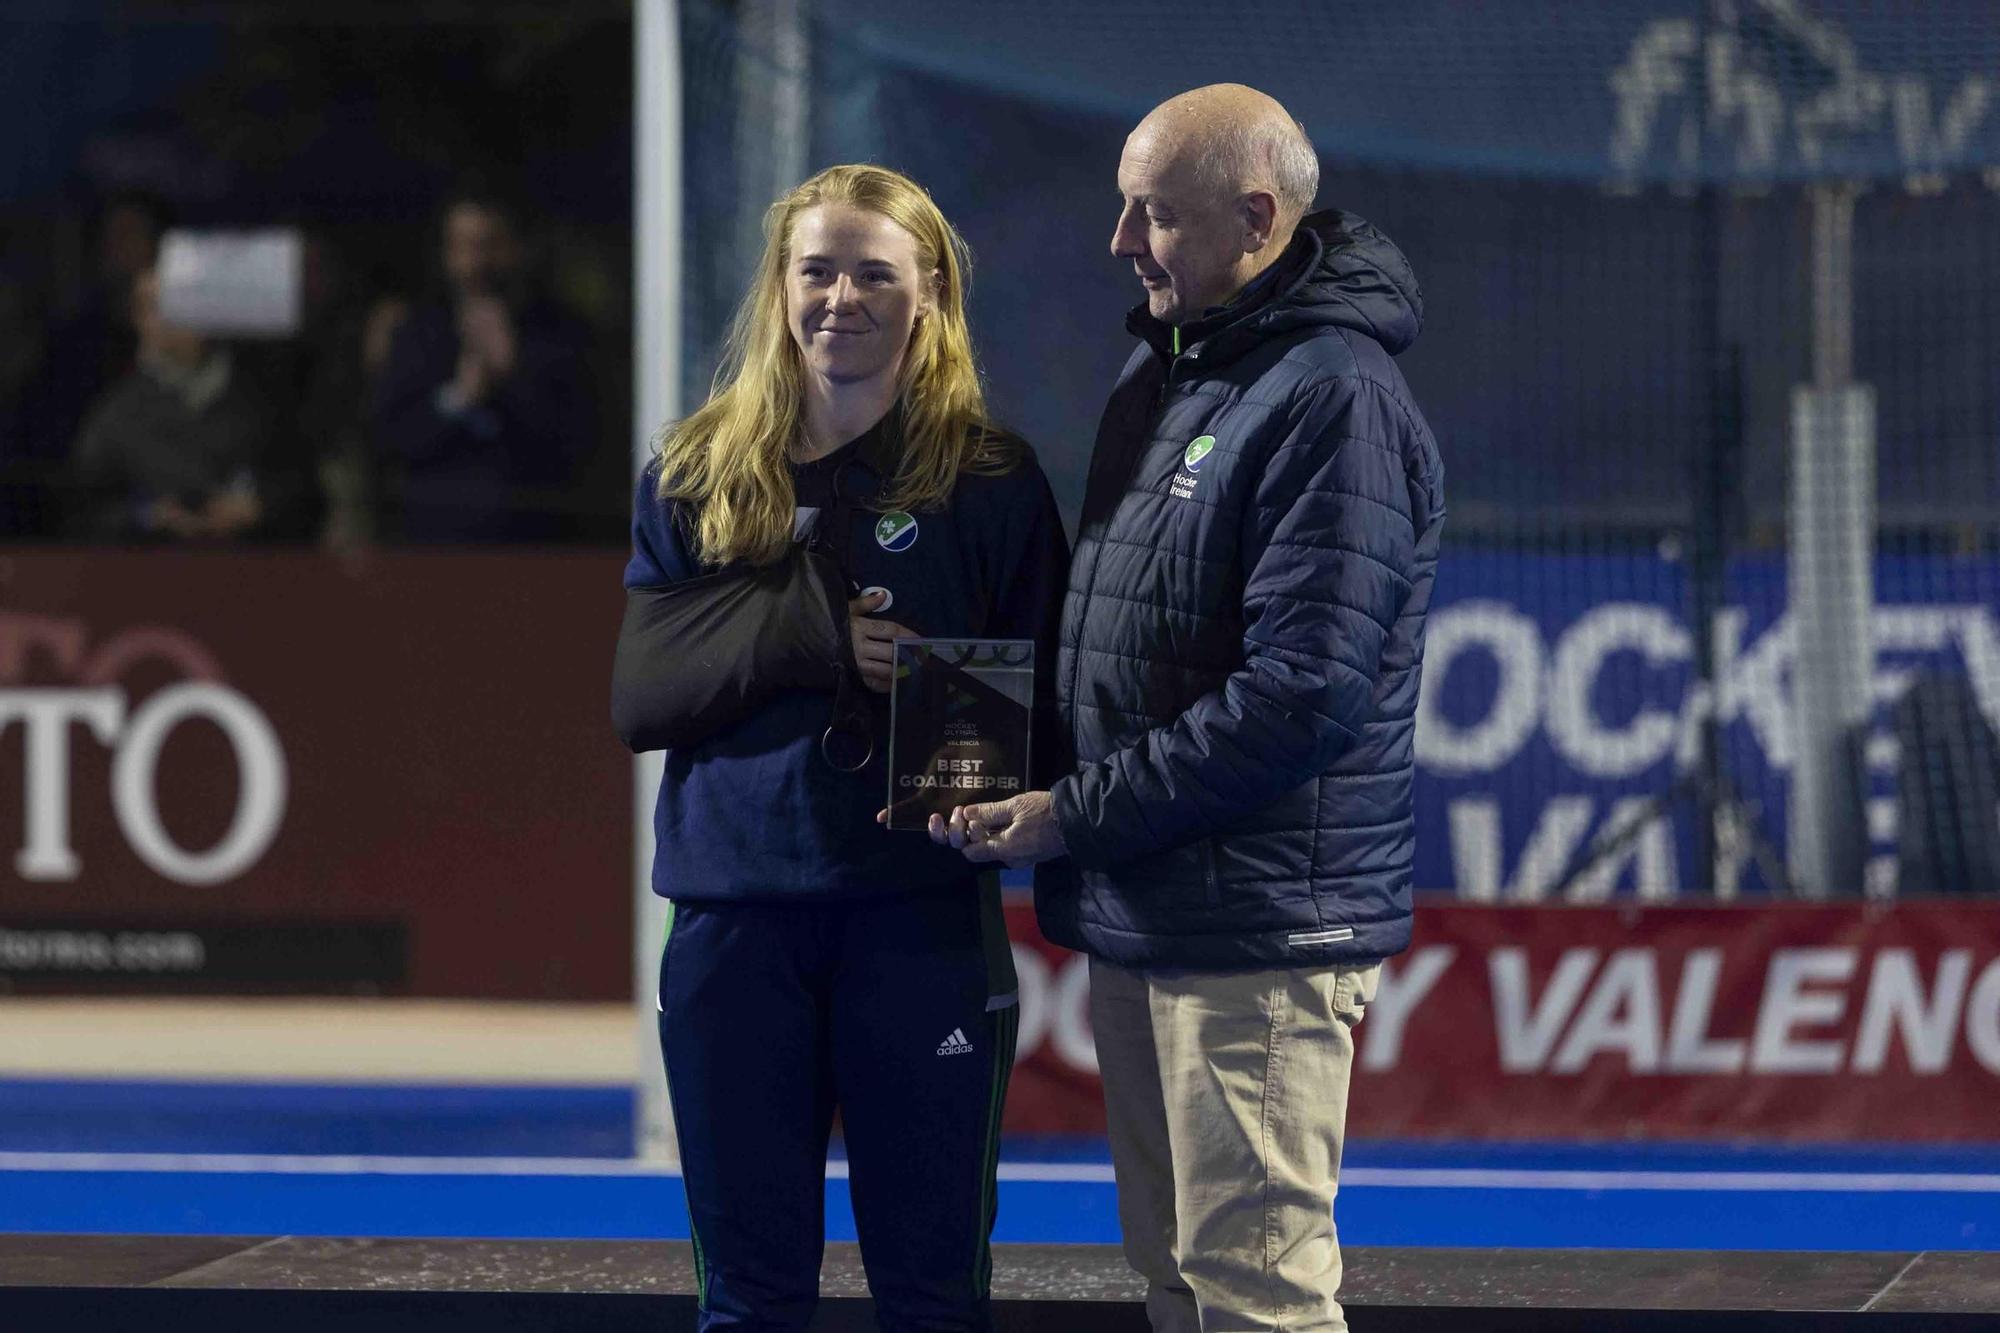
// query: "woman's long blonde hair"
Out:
[729,460]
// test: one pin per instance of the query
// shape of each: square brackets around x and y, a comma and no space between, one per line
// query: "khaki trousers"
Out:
[1226,1095]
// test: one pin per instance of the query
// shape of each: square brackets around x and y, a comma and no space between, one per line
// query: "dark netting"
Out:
[350,127]
[1710,341]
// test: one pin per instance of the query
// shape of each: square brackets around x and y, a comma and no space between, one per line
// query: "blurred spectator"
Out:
[24,492]
[483,412]
[92,345]
[178,448]
[64,347]
[336,423]
[323,383]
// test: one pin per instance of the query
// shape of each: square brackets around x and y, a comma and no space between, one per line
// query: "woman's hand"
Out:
[874,640]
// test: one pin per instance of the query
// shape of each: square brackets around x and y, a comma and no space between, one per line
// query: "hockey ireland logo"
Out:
[896,531]
[1197,452]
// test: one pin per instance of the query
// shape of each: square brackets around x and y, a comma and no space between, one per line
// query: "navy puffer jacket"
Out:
[1243,635]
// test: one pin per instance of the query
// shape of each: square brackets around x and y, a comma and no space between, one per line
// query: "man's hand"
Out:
[230,513]
[874,641]
[472,382]
[1018,831]
[486,329]
[171,516]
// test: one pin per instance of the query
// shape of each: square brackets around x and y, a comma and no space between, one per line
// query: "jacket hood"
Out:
[1338,271]
[1361,281]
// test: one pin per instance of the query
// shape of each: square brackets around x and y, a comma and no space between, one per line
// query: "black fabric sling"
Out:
[698,656]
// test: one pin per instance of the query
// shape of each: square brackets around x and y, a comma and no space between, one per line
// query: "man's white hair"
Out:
[1275,155]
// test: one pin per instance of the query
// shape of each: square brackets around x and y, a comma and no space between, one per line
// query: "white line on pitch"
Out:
[1857,1182]
[246,1163]
[251,1164]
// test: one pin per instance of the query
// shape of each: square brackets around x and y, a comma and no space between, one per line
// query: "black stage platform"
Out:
[88,1284]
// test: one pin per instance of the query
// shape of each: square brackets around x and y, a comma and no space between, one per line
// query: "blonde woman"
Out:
[814,959]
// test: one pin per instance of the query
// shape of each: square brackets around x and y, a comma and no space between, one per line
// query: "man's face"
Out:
[157,338]
[1185,243]
[853,292]
[481,252]
[128,243]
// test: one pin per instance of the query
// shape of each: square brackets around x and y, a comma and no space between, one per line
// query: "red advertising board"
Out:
[279,771]
[284,772]
[1787,1021]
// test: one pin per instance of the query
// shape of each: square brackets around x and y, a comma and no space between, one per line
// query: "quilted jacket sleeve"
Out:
[1329,556]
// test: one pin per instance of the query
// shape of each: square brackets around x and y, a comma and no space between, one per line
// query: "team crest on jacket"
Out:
[896,531]
[1192,458]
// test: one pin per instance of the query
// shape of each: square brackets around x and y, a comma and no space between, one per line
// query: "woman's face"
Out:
[853,292]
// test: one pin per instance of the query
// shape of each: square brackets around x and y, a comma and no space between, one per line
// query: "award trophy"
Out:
[958,725]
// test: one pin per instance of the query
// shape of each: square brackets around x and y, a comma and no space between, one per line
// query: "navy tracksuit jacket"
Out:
[816,961]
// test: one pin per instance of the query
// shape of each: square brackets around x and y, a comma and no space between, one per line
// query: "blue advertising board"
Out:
[1561,697]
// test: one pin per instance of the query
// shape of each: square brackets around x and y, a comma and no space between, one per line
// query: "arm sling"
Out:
[698,656]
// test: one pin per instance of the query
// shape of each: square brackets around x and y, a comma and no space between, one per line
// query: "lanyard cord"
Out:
[851,728]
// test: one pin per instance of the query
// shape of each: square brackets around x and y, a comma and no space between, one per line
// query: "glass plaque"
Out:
[958,725]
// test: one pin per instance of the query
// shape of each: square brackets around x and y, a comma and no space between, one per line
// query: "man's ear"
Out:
[1258,212]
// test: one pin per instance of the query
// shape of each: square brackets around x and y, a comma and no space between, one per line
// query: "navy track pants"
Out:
[897,1010]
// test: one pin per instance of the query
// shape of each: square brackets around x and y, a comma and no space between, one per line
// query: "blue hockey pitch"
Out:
[93,1157]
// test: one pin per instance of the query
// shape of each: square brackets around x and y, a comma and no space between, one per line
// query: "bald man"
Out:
[1241,647]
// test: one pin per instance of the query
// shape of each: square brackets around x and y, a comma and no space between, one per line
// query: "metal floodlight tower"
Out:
[1830,511]
[1831,583]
